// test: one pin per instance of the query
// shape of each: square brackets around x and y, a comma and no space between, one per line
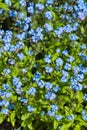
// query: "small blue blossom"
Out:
[47,59]
[48,15]
[42,113]
[70,117]
[32,91]
[37,76]
[48,85]
[21,56]
[24,100]
[48,69]
[64,79]
[49,2]
[65,52]
[50,95]
[4,111]
[59,62]
[81,15]
[8,2]
[13,13]
[50,113]
[7,71]
[73,37]
[23,3]
[56,89]
[80,77]
[41,83]
[58,117]
[11,61]
[39,7]
[83,46]
[54,108]
[24,70]
[30,8]
[59,31]
[71,59]
[30,108]
[67,66]
[6,86]
[85,97]
[48,27]
[7,94]
[30,52]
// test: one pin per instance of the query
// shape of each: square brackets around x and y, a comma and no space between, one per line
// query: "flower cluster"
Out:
[43,63]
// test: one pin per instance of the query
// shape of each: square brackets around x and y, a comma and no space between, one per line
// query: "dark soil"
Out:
[6,126]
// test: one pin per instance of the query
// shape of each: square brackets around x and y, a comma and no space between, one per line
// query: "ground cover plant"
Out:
[43,64]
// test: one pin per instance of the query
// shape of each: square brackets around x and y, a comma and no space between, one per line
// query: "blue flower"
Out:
[48,15]
[84,117]
[48,69]
[30,52]
[4,111]
[54,108]
[81,15]
[37,76]
[56,89]
[30,108]
[48,85]
[83,47]
[41,83]
[49,2]
[39,6]
[65,73]
[47,59]
[11,61]
[59,62]
[7,71]
[67,66]
[32,91]
[24,70]
[42,113]
[6,86]
[64,79]
[71,59]
[50,95]
[8,2]
[59,31]
[58,117]
[23,3]
[30,9]
[80,77]
[85,97]
[24,100]
[13,13]
[73,37]
[50,113]
[48,27]
[70,117]
[65,52]
[7,94]
[20,56]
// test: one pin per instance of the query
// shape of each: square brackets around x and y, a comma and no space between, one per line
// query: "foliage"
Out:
[43,64]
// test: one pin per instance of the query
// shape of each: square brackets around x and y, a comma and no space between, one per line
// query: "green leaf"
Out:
[13,118]
[82,30]
[30,126]
[2,117]
[66,126]
[79,96]
[25,116]
[4,6]
[77,127]
[55,124]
